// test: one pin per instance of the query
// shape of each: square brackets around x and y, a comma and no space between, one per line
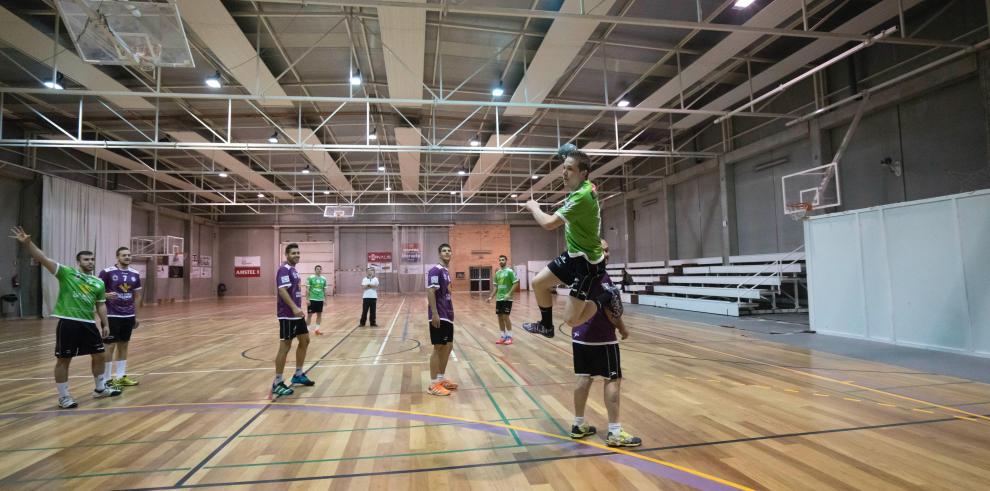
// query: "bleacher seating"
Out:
[750,284]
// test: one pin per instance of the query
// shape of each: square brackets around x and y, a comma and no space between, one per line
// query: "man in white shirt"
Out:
[370,286]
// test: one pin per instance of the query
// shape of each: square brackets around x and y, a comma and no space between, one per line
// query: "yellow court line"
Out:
[969,416]
[441,416]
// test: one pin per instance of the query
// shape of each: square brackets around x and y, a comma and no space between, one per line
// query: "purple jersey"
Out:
[288,278]
[125,283]
[438,278]
[598,329]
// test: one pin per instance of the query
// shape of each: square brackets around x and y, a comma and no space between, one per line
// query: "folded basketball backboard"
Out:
[816,188]
[127,33]
[333,211]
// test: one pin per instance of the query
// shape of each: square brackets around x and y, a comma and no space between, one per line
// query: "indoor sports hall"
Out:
[495,245]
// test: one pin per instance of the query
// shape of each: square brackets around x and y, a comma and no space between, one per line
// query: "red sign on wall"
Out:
[379,257]
[247,271]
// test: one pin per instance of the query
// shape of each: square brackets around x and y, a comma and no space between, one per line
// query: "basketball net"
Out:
[799,210]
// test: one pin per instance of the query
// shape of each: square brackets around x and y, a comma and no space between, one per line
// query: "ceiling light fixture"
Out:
[498,90]
[261,195]
[214,81]
[55,83]
[741,4]
[222,174]
[623,103]
[273,138]
[356,77]
[326,192]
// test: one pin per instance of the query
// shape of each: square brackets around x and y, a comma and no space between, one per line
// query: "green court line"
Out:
[368,457]
[525,391]
[96,474]
[490,397]
[110,444]
[370,429]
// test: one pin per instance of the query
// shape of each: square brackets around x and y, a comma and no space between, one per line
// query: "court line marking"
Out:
[385,412]
[391,326]
[523,461]
[513,379]
[256,415]
[217,370]
[250,435]
[491,398]
[816,376]
[372,457]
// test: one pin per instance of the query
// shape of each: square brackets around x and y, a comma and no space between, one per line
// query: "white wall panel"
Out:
[911,273]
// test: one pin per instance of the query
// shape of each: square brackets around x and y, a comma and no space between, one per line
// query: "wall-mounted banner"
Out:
[247,266]
[381,261]
[411,253]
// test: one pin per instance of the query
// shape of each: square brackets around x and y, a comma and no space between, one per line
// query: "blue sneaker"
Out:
[302,379]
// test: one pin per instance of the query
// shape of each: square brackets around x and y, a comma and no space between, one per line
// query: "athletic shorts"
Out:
[597,360]
[77,338]
[290,328]
[443,334]
[315,307]
[577,273]
[120,329]
[503,307]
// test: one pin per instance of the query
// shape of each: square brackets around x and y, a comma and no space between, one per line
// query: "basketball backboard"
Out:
[338,212]
[811,189]
[127,33]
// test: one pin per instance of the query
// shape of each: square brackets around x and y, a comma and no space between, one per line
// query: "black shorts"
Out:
[577,273]
[443,334]
[315,307]
[77,338]
[597,360]
[503,307]
[120,329]
[290,328]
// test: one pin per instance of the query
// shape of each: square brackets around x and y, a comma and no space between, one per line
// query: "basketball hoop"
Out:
[799,210]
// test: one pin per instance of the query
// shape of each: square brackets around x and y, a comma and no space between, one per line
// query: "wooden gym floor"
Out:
[715,408]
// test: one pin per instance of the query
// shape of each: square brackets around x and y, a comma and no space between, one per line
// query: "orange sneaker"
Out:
[317,332]
[508,341]
[448,384]
[500,341]
[437,389]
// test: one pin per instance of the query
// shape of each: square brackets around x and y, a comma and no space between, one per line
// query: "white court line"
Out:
[389,333]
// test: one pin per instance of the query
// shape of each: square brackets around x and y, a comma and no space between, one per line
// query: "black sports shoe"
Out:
[578,432]
[538,328]
[610,300]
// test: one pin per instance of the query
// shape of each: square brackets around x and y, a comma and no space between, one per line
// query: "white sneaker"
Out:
[67,402]
[107,392]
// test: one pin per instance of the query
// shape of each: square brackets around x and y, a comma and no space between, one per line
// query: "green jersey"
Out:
[504,279]
[78,294]
[582,223]
[316,286]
